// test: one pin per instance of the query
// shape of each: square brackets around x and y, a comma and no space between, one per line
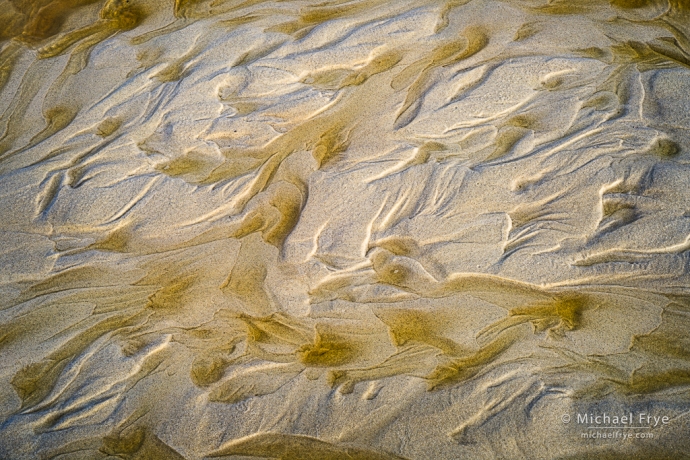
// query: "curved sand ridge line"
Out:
[347,229]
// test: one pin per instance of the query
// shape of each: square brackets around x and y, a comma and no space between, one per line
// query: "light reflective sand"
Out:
[344,230]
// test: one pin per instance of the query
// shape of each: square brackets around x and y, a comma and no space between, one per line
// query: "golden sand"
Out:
[355,229]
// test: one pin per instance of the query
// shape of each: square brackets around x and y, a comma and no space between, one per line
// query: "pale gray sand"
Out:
[351,229]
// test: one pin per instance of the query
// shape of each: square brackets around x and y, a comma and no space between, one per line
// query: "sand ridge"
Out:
[342,229]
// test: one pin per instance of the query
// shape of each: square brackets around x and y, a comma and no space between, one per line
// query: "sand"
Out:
[344,230]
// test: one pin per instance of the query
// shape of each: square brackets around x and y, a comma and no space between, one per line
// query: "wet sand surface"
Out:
[344,230]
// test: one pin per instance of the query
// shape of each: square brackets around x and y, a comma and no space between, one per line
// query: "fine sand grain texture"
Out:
[344,229]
